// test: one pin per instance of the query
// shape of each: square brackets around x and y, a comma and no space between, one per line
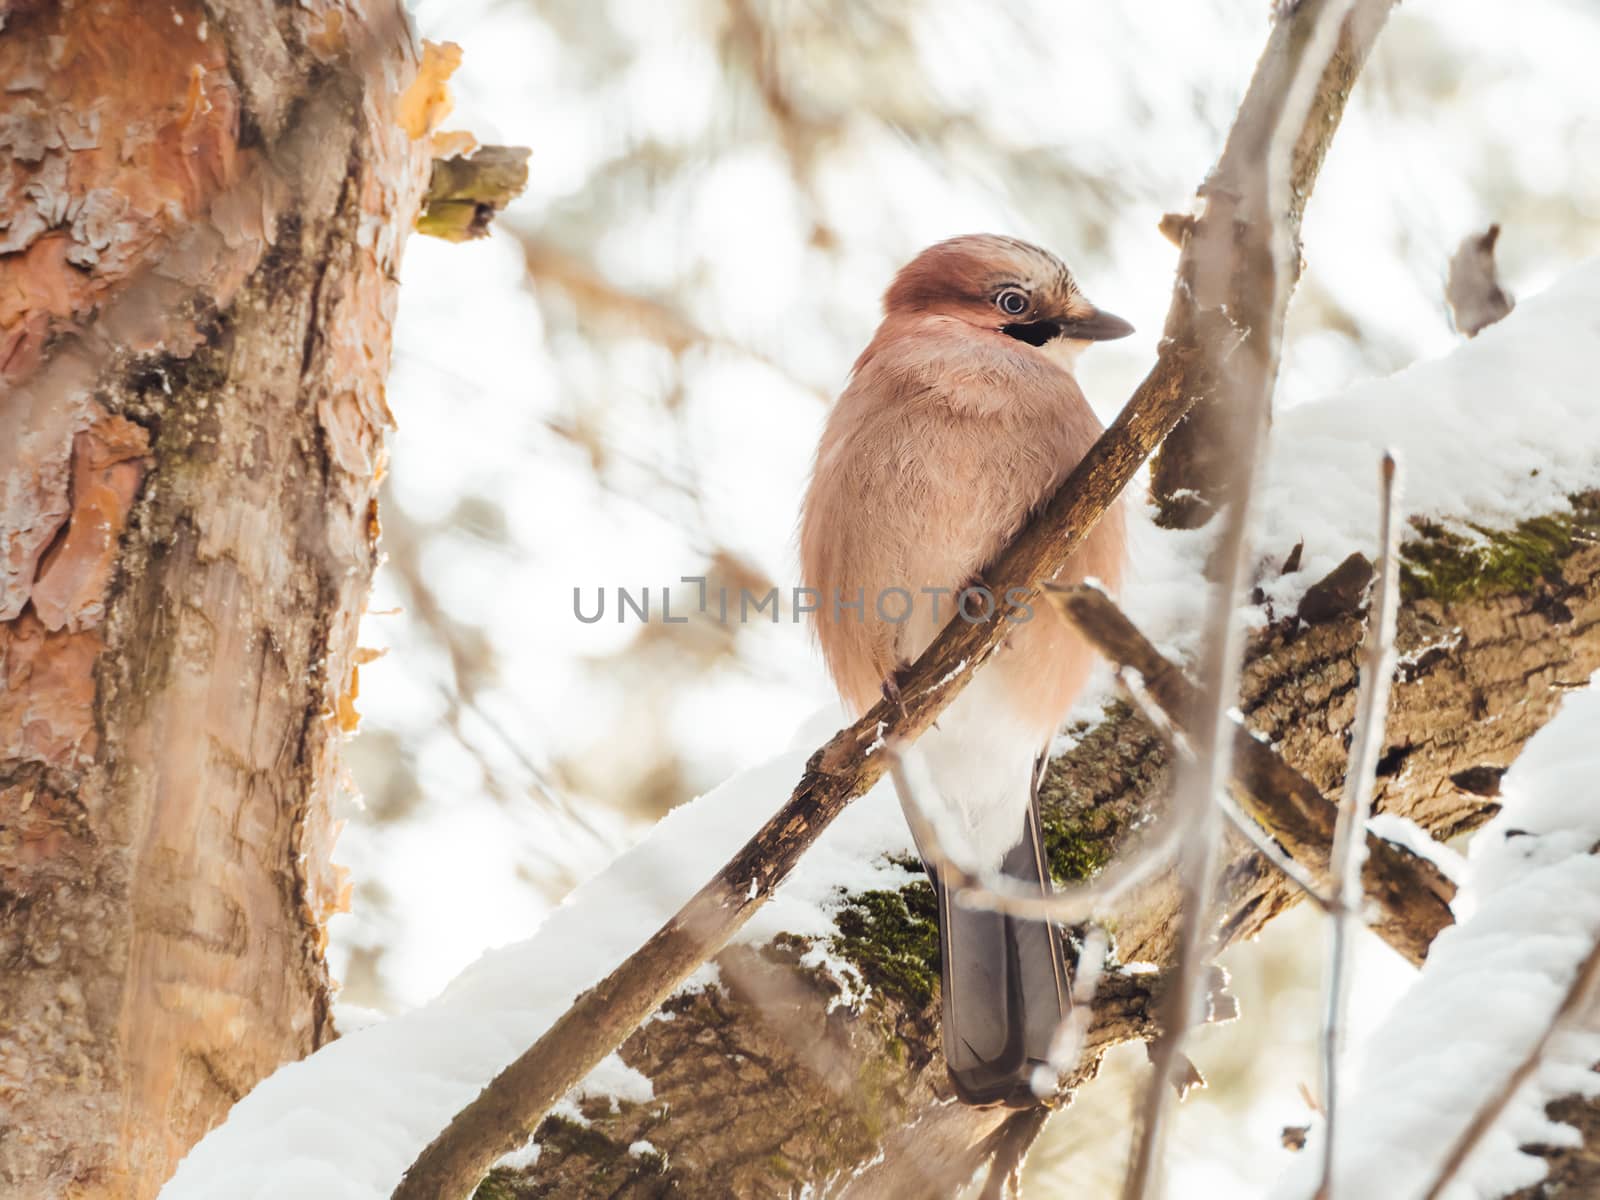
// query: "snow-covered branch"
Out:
[811,1045]
[1472,1037]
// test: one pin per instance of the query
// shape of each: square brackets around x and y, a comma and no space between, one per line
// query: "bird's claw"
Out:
[891,692]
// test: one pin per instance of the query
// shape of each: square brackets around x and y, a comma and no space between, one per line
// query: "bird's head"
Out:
[1004,285]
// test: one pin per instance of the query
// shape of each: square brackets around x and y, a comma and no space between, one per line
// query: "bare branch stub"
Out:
[466,193]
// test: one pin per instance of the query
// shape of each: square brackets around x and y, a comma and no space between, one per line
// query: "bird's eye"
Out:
[1013,302]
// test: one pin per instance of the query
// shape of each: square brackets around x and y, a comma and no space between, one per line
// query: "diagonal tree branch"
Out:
[1413,896]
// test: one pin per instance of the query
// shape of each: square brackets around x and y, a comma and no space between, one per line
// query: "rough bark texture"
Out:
[201,212]
[760,1088]
[765,1085]
[1411,897]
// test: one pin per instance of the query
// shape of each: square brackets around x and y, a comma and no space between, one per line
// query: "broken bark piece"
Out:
[1292,563]
[465,194]
[1337,593]
[1480,781]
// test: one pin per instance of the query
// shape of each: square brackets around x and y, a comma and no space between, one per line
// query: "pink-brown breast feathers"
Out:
[944,442]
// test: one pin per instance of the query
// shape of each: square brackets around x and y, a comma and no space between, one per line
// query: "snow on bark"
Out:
[1496,432]
[1529,912]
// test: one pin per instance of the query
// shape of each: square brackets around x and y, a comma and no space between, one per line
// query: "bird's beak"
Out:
[1098,326]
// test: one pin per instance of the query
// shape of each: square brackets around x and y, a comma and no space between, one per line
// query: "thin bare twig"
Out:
[402,541]
[1066,1048]
[1265,167]
[1578,998]
[593,294]
[1360,781]
[994,892]
[1262,841]
[1195,811]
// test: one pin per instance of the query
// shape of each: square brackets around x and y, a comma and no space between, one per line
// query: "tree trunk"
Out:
[202,207]
[750,1100]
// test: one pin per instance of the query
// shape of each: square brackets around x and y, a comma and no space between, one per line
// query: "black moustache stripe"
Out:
[1035,333]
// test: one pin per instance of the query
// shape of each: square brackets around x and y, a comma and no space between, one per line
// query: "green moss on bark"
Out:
[1085,814]
[1077,845]
[1444,565]
[892,937]
[570,1137]
[498,1185]
[612,1167]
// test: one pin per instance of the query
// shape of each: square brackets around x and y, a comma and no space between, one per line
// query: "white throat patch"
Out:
[1064,351]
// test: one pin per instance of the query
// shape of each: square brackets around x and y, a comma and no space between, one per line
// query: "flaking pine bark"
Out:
[202,208]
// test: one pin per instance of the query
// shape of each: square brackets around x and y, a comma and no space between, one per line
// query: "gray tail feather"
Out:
[1005,988]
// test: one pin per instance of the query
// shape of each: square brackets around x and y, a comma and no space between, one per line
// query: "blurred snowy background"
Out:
[623,386]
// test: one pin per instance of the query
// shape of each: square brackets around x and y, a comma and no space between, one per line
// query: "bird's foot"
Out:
[891,691]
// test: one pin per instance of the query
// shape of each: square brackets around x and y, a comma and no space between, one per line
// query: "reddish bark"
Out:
[201,214]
